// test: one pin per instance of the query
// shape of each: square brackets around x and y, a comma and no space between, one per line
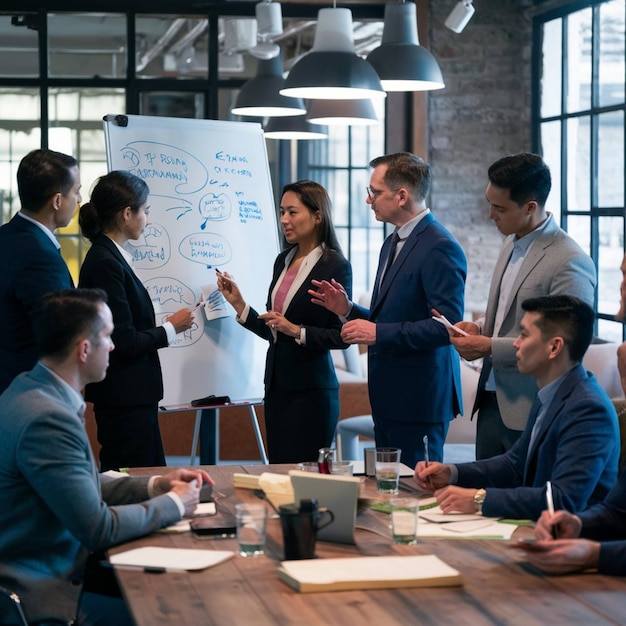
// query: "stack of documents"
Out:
[434,522]
[374,572]
[276,487]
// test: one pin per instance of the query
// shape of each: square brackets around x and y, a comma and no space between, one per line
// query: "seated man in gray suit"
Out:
[54,506]
[571,437]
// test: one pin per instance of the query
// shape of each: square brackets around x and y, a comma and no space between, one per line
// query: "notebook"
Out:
[338,494]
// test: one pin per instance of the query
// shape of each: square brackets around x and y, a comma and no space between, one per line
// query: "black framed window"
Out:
[578,111]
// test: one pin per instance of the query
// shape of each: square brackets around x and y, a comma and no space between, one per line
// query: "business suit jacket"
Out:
[134,376]
[414,373]
[606,522]
[53,507]
[290,366]
[576,448]
[554,265]
[30,266]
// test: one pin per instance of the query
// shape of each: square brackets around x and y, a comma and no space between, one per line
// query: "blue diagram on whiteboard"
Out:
[211,207]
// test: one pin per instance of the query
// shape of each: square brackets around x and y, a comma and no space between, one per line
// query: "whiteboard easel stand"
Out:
[250,404]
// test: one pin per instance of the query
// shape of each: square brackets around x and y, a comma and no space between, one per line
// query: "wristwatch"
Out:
[479,498]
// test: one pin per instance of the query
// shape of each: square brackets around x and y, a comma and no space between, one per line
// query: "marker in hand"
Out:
[442,319]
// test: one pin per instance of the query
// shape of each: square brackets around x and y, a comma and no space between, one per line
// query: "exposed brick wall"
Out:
[482,114]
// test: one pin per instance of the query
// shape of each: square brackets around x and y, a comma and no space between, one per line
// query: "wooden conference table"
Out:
[498,587]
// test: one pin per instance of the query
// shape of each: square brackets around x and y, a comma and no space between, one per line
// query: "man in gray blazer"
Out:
[54,506]
[537,259]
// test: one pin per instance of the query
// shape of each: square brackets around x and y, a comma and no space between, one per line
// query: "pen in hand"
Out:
[550,503]
[426,457]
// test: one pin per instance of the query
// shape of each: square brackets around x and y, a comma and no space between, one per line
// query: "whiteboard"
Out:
[211,206]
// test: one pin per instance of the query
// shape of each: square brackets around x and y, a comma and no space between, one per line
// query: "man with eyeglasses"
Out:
[414,376]
[537,259]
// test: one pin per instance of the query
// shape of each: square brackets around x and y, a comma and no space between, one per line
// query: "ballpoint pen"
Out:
[426,457]
[550,503]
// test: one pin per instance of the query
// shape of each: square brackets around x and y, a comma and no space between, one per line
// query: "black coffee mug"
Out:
[300,524]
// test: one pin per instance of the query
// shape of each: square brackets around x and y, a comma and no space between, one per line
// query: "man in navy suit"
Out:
[31,265]
[414,376]
[571,438]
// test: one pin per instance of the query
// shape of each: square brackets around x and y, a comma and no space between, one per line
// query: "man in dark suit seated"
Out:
[48,184]
[571,437]
[54,507]
[602,542]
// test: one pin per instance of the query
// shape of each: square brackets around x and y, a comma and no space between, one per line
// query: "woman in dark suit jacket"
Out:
[126,401]
[301,388]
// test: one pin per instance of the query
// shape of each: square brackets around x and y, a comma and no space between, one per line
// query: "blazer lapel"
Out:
[554,410]
[496,281]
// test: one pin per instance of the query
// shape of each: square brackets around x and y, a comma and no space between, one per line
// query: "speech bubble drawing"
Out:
[214,207]
[165,290]
[165,167]
[208,249]
[152,250]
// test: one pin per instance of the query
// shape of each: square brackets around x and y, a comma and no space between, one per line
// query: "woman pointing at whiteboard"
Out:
[126,401]
[301,388]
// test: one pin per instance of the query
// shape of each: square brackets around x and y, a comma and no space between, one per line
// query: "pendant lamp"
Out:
[333,70]
[401,63]
[260,95]
[293,128]
[342,113]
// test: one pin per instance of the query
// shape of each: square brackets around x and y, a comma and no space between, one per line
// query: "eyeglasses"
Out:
[372,194]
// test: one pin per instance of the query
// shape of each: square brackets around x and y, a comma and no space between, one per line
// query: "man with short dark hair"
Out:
[31,265]
[54,506]
[413,373]
[571,437]
[537,259]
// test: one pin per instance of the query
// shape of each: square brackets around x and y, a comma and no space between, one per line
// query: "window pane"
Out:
[337,187]
[173,46]
[579,228]
[19,134]
[579,61]
[611,159]
[551,149]
[611,65]
[172,104]
[87,45]
[578,164]
[611,331]
[610,255]
[19,43]
[551,69]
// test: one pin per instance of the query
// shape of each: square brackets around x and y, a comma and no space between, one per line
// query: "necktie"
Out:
[395,238]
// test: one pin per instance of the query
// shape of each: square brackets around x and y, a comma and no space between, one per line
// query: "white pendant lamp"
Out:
[342,113]
[401,63]
[333,70]
[260,95]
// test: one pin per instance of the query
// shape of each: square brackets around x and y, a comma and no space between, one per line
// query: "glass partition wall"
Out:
[62,70]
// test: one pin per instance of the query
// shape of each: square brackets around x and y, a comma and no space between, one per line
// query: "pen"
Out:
[426,457]
[148,569]
[550,503]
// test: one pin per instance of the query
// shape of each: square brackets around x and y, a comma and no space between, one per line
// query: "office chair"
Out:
[11,613]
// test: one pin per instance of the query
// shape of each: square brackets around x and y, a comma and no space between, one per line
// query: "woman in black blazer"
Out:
[126,401]
[301,388]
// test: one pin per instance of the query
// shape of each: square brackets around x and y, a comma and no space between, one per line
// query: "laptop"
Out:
[338,494]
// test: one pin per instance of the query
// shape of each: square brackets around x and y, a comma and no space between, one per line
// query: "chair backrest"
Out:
[11,613]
